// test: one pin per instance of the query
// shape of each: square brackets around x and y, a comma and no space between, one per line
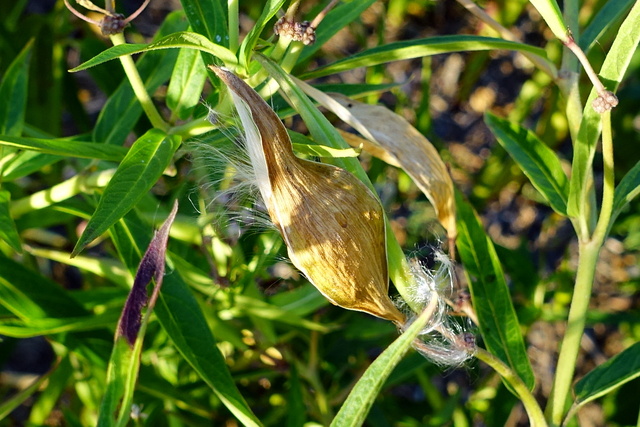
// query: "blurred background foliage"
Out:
[292,354]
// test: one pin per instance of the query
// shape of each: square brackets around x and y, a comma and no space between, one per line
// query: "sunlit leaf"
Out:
[137,173]
[355,409]
[408,49]
[489,293]
[615,372]
[66,147]
[187,81]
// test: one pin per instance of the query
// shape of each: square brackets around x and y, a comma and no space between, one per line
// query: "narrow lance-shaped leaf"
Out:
[209,18]
[184,39]
[403,143]
[355,409]
[13,93]
[610,14]
[182,318]
[138,172]
[409,49]
[331,223]
[66,147]
[8,230]
[627,190]
[491,299]
[615,372]
[187,81]
[124,364]
[537,161]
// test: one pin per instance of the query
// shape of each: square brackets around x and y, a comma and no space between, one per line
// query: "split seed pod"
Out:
[332,224]
[403,144]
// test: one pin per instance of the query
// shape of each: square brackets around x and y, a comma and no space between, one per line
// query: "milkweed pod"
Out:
[403,144]
[332,224]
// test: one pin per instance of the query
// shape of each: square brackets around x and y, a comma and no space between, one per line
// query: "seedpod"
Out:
[332,224]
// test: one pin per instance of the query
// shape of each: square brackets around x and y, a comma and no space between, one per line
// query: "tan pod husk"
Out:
[403,144]
[332,224]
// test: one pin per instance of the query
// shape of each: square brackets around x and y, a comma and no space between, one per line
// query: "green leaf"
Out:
[355,409]
[613,69]
[32,297]
[184,39]
[537,161]
[626,191]
[296,410]
[187,81]
[8,230]
[552,15]
[249,42]
[182,318]
[409,49]
[609,15]
[138,172]
[337,19]
[498,322]
[180,315]
[304,145]
[14,92]
[122,110]
[209,18]
[616,371]
[48,326]
[27,162]
[66,147]
[121,375]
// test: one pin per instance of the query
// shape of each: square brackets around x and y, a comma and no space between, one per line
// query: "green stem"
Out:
[588,256]
[589,251]
[138,86]
[234,25]
[536,417]
[63,191]
[602,226]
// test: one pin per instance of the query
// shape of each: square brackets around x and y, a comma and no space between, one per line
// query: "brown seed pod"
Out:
[332,224]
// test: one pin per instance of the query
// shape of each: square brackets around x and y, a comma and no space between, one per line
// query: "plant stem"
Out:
[602,226]
[588,256]
[536,417]
[63,191]
[234,25]
[138,86]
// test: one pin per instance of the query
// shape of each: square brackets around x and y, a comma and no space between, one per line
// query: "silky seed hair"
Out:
[444,340]
[234,194]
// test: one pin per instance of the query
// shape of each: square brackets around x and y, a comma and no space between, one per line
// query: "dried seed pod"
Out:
[332,224]
[404,144]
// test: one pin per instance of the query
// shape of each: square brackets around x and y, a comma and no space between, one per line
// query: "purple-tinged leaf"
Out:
[151,267]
